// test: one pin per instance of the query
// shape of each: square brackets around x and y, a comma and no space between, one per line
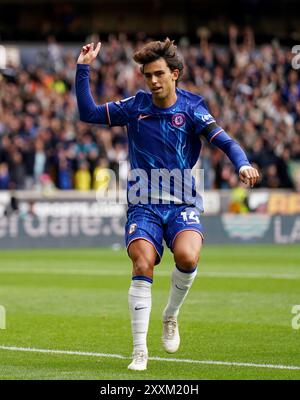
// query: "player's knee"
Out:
[186,259]
[142,266]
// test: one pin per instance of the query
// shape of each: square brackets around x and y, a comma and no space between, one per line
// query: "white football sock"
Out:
[181,283]
[139,299]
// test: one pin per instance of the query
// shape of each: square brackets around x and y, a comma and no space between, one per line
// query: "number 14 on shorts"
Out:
[190,217]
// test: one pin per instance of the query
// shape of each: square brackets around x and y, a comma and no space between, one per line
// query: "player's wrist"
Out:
[243,168]
[81,65]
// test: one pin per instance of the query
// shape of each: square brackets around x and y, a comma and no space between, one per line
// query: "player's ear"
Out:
[175,74]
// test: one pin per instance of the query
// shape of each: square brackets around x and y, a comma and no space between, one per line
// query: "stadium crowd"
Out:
[251,90]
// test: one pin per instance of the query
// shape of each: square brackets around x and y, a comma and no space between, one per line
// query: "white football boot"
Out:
[170,337]
[139,361]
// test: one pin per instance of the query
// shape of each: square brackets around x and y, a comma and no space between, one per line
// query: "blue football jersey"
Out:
[163,140]
[164,143]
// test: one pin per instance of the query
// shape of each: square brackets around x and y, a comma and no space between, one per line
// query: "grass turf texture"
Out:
[238,310]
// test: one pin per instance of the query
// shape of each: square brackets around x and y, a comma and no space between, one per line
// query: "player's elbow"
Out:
[86,116]
[83,118]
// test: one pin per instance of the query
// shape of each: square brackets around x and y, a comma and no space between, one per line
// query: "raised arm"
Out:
[88,110]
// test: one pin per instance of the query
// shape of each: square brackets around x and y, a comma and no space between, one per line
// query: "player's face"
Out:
[160,79]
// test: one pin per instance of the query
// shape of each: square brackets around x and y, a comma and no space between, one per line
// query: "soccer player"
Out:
[164,130]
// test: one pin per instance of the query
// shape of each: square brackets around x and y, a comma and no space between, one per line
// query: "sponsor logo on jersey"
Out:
[132,229]
[207,118]
[142,116]
[178,120]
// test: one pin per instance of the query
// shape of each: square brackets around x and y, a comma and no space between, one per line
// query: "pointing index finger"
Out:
[97,49]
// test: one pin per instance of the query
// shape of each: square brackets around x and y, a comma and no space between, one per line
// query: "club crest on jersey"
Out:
[178,120]
[132,228]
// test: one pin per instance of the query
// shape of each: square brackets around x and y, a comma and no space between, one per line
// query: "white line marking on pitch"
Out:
[103,272]
[178,360]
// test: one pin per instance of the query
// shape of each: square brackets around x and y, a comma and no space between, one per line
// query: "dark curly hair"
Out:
[152,51]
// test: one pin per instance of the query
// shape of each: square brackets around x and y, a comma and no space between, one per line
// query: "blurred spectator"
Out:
[18,171]
[271,177]
[4,176]
[12,207]
[27,211]
[39,162]
[83,177]
[54,56]
[239,197]
[101,175]
[64,175]
[46,185]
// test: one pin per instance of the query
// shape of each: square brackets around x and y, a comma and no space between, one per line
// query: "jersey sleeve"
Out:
[205,124]
[118,112]
[112,113]
[88,110]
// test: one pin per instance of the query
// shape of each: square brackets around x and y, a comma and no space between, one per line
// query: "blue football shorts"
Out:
[154,223]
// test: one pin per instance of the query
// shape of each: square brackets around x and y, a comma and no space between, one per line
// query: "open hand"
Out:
[249,175]
[88,54]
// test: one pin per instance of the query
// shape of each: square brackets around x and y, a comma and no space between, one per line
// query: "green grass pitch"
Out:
[239,310]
